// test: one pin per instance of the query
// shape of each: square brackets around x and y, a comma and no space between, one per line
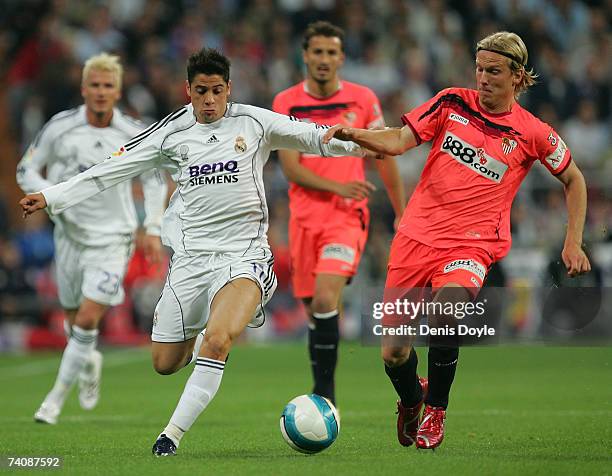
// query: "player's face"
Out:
[100,90]
[323,58]
[209,94]
[495,80]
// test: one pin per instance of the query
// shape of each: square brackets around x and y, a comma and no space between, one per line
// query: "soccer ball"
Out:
[310,423]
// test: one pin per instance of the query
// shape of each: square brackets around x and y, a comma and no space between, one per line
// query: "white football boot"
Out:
[47,413]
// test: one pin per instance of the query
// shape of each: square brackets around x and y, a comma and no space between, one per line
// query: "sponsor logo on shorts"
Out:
[475,282]
[215,173]
[556,158]
[339,252]
[457,118]
[470,265]
[474,158]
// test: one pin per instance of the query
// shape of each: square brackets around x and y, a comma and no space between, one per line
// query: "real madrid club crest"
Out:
[184,151]
[240,145]
[508,145]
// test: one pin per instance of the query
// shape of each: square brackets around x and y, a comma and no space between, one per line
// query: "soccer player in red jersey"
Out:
[328,198]
[457,222]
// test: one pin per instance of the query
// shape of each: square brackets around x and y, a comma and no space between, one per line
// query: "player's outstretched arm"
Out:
[304,177]
[389,141]
[32,202]
[573,255]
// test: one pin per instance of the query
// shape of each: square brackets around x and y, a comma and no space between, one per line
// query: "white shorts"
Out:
[192,283]
[92,272]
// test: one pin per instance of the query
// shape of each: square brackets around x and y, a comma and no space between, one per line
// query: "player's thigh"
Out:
[103,272]
[231,310]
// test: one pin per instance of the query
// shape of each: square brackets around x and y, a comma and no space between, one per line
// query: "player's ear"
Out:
[229,87]
[188,88]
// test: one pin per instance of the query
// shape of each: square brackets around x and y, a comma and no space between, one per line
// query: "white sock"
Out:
[76,354]
[199,391]
[196,347]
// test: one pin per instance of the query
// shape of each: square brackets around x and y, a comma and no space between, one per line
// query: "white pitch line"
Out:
[112,359]
[79,418]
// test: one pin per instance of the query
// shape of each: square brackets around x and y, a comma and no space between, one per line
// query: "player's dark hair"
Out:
[322,28]
[208,61]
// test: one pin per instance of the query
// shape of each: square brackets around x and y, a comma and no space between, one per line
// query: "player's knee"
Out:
[217,344]
[86,321]
[324,301]
[164,365]
[395,356]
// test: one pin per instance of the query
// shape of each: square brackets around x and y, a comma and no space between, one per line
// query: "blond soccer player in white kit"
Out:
[221,272]
[93,241]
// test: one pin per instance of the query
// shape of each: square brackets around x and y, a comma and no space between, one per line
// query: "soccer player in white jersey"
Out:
[93,240]
[221,272]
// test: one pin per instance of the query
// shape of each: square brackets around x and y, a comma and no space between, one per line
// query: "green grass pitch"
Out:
[514,410]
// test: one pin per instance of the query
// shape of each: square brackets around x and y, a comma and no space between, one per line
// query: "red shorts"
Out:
[335,249]
[414,266]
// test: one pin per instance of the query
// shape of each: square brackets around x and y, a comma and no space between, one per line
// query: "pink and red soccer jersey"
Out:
[476,165]
[327,232]
[457,222]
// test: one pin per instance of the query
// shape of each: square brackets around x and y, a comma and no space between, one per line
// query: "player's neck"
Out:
[99,119]
[498,108]
[322,89]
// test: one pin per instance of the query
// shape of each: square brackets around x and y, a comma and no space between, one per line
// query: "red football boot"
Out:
[408,418]
[431,430]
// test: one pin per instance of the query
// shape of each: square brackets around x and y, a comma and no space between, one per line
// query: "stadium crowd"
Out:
[405,50]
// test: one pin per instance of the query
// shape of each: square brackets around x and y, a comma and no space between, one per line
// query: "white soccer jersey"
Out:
[219,204]
[69,145]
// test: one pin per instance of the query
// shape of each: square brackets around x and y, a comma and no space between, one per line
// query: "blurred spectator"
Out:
[587,138]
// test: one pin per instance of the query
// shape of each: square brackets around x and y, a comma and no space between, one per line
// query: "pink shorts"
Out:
[414,266]
[334,249]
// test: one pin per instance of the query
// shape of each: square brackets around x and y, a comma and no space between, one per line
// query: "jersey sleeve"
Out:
[120,166]
[284,132]
[37,156]
[155,191]
[374,114]
[551,150]
[427,119]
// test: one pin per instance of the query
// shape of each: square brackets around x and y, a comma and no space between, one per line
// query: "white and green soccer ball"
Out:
[310,423]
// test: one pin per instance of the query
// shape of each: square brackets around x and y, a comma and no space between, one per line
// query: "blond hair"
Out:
[512,47]
[104,62]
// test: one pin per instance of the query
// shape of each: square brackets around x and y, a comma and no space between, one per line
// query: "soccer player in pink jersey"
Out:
[329,220]
[457,222]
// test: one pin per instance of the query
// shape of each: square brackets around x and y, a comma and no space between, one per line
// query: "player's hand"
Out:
[575,260]
[356,190]
[153,249]
[339,132]
[32,202]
